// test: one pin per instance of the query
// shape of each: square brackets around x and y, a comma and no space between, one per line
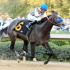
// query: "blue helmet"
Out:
[44,7]
[59,20]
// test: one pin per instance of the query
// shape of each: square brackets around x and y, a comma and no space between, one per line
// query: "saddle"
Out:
[21,27]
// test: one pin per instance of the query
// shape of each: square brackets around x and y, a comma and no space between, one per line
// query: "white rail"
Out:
[57,36]
[60,36]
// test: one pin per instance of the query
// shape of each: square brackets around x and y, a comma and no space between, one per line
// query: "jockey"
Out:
[34,16]
[37,14]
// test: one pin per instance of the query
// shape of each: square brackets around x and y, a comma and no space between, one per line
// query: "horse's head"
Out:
[55,19]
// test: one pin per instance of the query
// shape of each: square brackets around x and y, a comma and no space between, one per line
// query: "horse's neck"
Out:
[45,26]
[40,25]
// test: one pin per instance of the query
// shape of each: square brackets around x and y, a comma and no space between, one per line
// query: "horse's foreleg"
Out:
[50,52]
[33,51]
[13,39]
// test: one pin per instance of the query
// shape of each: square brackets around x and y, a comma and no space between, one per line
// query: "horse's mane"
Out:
[44,19]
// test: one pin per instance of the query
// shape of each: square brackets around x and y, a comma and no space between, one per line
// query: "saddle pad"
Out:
[19,26]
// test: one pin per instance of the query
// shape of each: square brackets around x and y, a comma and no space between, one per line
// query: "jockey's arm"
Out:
[30,17]
[35,17]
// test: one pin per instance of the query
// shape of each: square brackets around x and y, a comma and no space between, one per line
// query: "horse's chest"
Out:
[40,38]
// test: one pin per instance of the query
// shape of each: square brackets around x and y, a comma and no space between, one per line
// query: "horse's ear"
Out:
[54,12]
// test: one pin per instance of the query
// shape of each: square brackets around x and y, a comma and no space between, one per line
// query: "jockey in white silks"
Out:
[37,14]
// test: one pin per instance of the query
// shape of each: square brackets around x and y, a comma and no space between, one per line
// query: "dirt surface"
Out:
[27,65]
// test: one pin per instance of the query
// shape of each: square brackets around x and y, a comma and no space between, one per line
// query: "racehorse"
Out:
[40,35]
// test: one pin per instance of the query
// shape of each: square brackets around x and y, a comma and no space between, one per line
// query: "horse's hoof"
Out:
[34,59]
[23,53]
[20,57]
[11,48]
[24,58]
[18,60]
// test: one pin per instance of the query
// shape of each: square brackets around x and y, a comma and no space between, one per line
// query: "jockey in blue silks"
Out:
[37,14]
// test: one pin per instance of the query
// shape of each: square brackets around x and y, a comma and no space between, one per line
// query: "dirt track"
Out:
[13,65]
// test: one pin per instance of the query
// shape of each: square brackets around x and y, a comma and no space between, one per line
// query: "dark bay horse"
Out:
[40,35]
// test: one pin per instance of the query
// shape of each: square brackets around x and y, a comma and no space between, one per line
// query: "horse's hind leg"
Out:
[24,53]
[25,48]
[12,39]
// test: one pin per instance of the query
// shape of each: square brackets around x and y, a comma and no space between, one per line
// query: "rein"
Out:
[51,20]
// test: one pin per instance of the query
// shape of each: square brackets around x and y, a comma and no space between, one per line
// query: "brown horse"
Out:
[40,35]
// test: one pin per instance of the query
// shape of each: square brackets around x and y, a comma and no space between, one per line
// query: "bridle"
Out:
[51,20]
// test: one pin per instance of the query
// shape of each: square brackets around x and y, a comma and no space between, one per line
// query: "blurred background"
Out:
[22,7]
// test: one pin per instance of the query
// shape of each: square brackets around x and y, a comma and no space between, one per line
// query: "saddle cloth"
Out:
[21,27]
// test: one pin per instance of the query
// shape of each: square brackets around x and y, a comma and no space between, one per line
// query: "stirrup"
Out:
[28,26]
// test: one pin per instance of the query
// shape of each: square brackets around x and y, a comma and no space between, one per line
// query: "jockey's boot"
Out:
[25,30]
[28,28]
[31,24]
